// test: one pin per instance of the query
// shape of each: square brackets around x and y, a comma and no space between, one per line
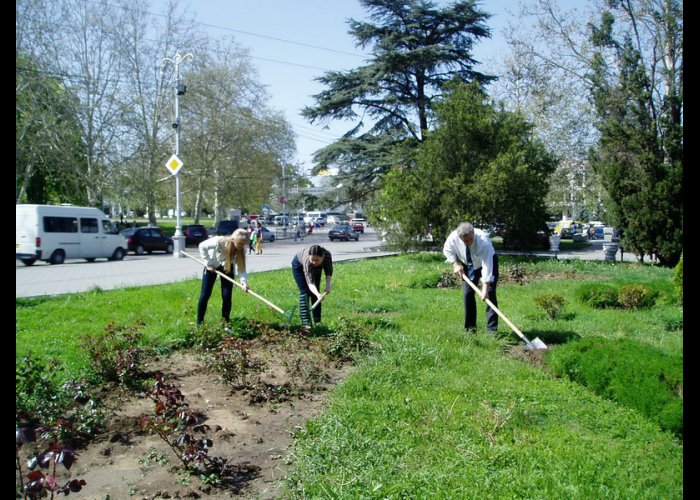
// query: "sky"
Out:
[292,42]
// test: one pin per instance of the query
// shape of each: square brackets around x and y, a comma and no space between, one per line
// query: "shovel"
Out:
[287,315]
[530,346]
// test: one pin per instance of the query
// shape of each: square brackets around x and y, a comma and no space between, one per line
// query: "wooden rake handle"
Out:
[323,296]
[498,311]
[224,276]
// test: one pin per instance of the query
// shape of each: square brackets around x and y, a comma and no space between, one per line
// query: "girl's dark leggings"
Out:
[305,294]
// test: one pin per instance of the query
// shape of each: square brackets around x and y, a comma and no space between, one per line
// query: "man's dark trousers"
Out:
[470,299]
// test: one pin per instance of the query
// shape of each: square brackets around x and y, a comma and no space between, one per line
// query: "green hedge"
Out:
[626,371]
[597,295]
[678,280]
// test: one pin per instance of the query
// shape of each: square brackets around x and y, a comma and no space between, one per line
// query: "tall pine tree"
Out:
[416,48]
[640,153]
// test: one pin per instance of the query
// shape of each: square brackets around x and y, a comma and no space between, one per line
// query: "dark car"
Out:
[195,234]
[147,239]
[226,227]
[344,232]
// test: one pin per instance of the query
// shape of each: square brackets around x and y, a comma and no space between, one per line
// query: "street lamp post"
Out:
[283,201]
[178,238]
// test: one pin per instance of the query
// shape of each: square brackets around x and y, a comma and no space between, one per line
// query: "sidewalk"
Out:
[594,251]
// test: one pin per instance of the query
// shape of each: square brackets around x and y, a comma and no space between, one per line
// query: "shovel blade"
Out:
[535,344]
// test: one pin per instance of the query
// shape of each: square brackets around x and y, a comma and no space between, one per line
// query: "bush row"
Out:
[628,372]
[601,296]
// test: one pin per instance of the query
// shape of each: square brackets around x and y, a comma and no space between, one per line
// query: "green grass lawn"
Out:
[432,413]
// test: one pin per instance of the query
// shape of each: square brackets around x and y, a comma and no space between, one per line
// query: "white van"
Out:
[317,217]
[281,220]
[55,233]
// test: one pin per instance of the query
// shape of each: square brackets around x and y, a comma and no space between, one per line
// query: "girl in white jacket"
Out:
[227,255]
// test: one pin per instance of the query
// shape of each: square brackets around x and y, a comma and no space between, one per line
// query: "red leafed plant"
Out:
[37,482]
[178,425]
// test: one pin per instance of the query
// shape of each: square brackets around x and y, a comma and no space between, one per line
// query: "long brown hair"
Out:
[232,252]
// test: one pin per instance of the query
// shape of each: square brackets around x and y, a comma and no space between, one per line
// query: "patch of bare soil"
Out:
[252,425]
[534,357]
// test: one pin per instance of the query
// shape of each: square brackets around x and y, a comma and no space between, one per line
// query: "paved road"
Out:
[79,276]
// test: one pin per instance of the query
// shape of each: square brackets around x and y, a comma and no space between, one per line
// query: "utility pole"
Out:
[180,89]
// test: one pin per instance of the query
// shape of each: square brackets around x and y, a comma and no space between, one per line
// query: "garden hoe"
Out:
[287,315]
[530,346]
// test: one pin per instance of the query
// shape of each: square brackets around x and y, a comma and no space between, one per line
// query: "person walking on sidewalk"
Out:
[471,253]
[250,230]
[258,238]
[225,254]
[307,267]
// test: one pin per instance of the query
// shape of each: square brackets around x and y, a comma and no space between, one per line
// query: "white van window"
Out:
[88,225]
[108,227]
[60,224]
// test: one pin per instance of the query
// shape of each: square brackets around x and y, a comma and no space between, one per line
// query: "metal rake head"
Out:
[289,315]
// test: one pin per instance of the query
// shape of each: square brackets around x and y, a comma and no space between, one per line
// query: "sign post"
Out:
[174,164]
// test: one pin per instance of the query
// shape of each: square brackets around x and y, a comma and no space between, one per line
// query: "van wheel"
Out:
[272,238]
[169,249]
[118,254]
[139,250]
[57,257]
[28,262]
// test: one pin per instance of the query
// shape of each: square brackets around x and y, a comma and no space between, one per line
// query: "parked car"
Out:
[226,227]
[267,235]
[596,232]
[543,237]
[195,234]
[147,239]
[358,224]
[337,219]
[343,232]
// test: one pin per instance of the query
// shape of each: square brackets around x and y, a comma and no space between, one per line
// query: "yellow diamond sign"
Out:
[174,164]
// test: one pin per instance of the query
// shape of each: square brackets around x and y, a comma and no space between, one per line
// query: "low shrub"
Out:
[597,295]
[551,304]
[448,279]
[515,273]
[348,340]
[636,296]
[246,328]
[70,406]
[628,372]
[116,353]
[678,280]
[205,336]
[36,388]
[426,257]
[431,280]
[234,364]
